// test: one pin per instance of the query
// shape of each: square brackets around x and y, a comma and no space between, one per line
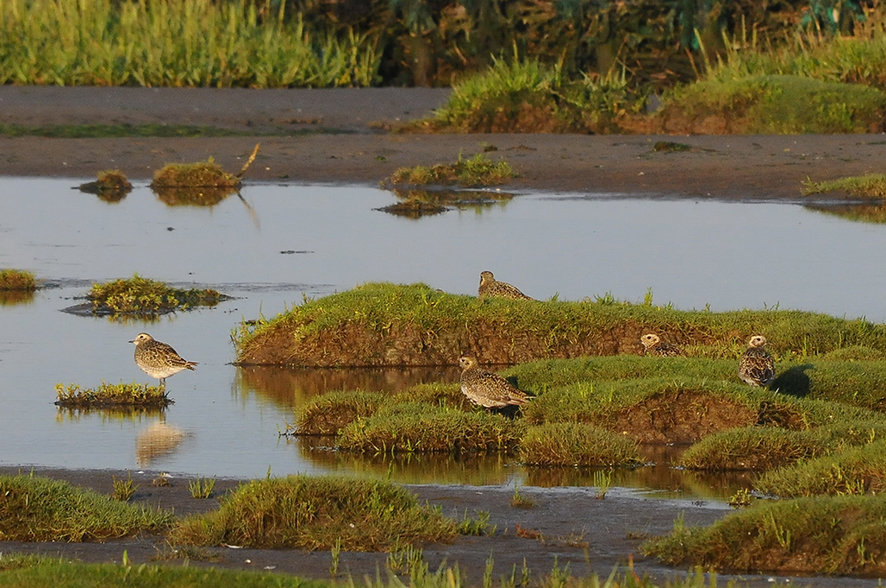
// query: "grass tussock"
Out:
[203,174]
[17,281]
[316,513]
[418,203]
[330,413]
[388,324]
[138,295]
[112,395]
[771,104]
[110,185]
[821,535]
[868,186]
[857,470]
[424,428]
[34,508]
[752,448]
[577,444]
[478,170]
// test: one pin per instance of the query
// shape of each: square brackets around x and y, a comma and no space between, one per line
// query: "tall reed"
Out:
[174,43]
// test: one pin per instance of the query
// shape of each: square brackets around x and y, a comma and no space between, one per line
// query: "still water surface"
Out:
[280,243]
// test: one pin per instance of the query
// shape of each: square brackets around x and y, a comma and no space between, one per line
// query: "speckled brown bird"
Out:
[653,345]
[157,359]
[487,389]
[756,366]
[491,287]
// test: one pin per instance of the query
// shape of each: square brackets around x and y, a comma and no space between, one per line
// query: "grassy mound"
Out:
[475,171]
[330,413]
[138,295]
[395,325]
[33,508]
[577,444]
[316,513]
[773,104]
[17,280]
[118,395]
[845,535]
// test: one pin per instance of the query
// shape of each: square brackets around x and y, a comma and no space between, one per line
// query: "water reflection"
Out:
[204,196]
[156,441]
[868,212]
[292,387]
[414,204]
[108,413]
[12,297]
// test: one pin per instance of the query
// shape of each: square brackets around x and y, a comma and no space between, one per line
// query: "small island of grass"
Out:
[12,280]
[143,296]
[112,396]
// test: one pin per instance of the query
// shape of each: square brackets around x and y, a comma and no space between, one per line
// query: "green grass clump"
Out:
[105,395]
[389,324]
[773,104]
[316,513]
[474,171]
[62,574]
[330,413]
[821,535]
[111,181]
[203,174]
[753,448]
[857,470]
[577,444]
[17,280]
[524,96]
[34,508]
[138,295]
[423,428]
[176,43]
[869,186]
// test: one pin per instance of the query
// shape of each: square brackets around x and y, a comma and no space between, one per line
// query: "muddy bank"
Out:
[339,135]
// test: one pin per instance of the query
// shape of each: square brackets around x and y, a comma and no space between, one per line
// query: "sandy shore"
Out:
[338,136]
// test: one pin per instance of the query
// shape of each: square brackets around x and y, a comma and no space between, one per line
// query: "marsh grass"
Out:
[123,489]
[478,170]
[201,487]
[203,174]
[17,281]
[753,448]
[138,295]
[868,186]
[316,513]
[821,535]
[175,43]
[389,324]
[330,413]
[39,509]
[577,444]
[423,428]
[110,185]
[525,96]
[771,104]
[112,395]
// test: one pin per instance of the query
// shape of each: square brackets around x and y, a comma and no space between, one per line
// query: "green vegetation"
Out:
[39,509]
[416,203]
[841,535]
[17,280]
[475,171]
[203,174]
[112,395]
[172,43]
[869,186]
[138,295]
[577,444]
[387,324]
[124,489]
[110,185]
[201,487]
[316,513]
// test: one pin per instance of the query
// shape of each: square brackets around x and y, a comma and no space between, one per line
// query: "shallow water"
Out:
[280,243]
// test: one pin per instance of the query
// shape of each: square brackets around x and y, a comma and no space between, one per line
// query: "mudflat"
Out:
[343,136]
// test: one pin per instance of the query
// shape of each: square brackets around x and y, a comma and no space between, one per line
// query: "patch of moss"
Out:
[316,513]
[17,280]
[819,535]
[475,171]
[138,295]
[577,444]
[112,395]
[773,104]
[34,508]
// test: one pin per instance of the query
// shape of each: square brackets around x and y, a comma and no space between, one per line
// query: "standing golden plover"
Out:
[653,345]
[489,286]
[487,389]
[157,359]
[756,366]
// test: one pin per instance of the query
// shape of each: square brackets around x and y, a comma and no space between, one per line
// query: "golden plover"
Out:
[487,389]
[157,359]
[653,345]
[489,286]
[756,366]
